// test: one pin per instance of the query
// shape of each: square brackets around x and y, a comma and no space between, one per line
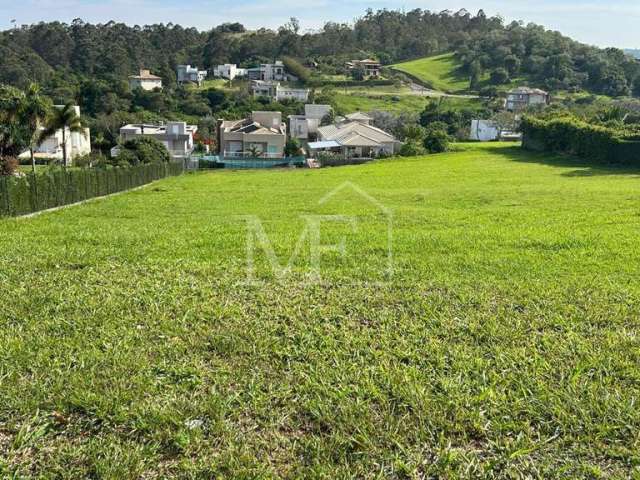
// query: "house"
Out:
[189,74]
[523,97]
[177,137]
[353,138]
[145,81]
[271,72]
[229,71]
[77,144]
[276,92]
[263,135]
[306,126]
[484,130]
[370,67]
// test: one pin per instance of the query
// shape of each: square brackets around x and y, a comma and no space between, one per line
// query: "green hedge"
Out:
[576,137]
[41,191]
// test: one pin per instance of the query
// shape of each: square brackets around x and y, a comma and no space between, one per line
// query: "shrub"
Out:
[145,150]
[572,136]
[8,166]
[436,139]
[500,76]
[411,149]
[292,148]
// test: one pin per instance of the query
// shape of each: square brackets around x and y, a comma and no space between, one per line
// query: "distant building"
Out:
[264,135]
[523,97]
[277,92]
[189,74]
[177,137]
[370,67]
[77,144]
[484,130]
[304,127]
[355,137]
[229,71]
[145,81]
[271,72]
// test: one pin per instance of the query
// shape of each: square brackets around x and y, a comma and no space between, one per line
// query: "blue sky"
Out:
[604,23]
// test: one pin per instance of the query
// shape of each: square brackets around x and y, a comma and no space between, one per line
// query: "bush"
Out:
[436,139]
[572,136]
[500,76]
[411,149]
[143,150]
[8,166]
[292,148]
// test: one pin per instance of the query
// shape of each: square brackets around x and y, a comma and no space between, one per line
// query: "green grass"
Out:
[441,72]
[505,344]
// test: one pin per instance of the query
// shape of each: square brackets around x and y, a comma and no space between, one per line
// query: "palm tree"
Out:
[33,112]
[67,120]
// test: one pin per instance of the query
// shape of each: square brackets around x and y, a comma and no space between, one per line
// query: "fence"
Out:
[41,191]
[216,161]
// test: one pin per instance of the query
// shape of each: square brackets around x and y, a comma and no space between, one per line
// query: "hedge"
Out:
[576,137]
[40,191]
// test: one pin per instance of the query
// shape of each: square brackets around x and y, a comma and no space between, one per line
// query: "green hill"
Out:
[441,72]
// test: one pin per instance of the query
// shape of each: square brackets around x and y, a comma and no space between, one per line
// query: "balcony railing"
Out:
[264,155]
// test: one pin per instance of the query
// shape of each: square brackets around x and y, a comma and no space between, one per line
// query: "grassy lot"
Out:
[390,98]
[442,72]
[504,345]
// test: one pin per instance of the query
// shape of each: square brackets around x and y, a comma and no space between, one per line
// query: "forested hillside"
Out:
[484,44]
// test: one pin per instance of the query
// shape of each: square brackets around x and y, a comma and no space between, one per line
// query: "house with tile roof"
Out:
[145,81]
[520,98]
[355,137]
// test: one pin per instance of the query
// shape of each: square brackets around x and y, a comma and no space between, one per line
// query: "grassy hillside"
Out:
[505,343]
[441,72]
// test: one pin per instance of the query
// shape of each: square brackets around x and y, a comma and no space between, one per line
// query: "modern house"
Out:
[355,137]
[370,67]
[263,135]
[145,81]
[229,71]
[77,144]
[276,92]
[271,72]
[305,127]
[177,137]
[189,74]
[523,97]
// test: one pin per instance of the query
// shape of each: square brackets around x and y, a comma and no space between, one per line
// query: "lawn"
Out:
[441,72]
[504,343]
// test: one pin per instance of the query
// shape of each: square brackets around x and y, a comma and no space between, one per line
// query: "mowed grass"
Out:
[441,72]
[505,344]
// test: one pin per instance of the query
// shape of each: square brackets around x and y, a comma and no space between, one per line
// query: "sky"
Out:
[603,23]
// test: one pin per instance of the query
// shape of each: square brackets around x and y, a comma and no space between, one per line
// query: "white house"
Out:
[229,71]
[355,138]
[77,144]
[523,97]
[145,81]
[177,137]
[305,126]
[484,130]
[189,74]
[262,135]
[271,72]
[276,92]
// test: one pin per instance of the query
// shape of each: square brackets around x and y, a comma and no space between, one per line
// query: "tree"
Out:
[33,112]
[66,120]
[292,148]
[143,150]
[500,76]
[14,134]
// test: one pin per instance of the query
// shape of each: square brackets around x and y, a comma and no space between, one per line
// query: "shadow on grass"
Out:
[583,167]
